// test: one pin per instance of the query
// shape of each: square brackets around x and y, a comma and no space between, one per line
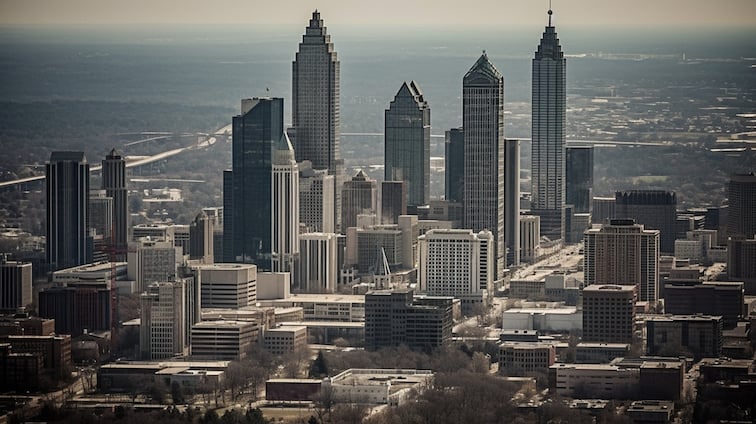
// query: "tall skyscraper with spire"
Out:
[315,103]
[114,184]
[548,122]
[285,213]
[407,143]
[247,187]
[484,181]
[67,187]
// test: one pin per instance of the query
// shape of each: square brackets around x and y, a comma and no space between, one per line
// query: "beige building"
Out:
[225,340]
[283,340]
[519,358]
[594,380]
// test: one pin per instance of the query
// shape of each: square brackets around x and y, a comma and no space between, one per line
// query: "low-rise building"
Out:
[600,353]
[285,339]
[651,411]
[324,307]
[594,381]
[520,358]
[224,340]
[376,386]
[697,335]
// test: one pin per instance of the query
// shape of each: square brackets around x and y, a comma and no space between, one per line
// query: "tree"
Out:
[319,366]
[177,394]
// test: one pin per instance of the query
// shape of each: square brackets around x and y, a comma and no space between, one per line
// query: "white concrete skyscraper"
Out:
[483,122]
[315,103]
[285,208]
[548,122]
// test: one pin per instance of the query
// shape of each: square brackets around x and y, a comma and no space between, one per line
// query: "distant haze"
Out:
[443,15]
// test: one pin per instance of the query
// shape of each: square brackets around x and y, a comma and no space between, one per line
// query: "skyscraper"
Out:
[741,194]
[15,284]
[484,181]
[548,121]
[247,202]
[512,200]
[454,151]
[318,270]
[624,253]
[285,213]
[393,201]
[315,112]
[407,143]
[316,199]
[579,181]
[201,238]
[114,184]
[67,185]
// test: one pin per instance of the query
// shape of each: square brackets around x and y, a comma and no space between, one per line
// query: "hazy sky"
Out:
[374,13]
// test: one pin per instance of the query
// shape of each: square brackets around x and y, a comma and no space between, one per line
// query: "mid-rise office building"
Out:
[608,313]
[163,330]
[247,187]
[457,263]
[549,104]
[114,184]
[67,194]
[318,267]
[15,284]
[396,317]
[454,150]
[654,209]
[285,212]
[151,261]
[484,155]
[316,199]
[676,335]
[285,339]
[101,214]
[228,285]
[370,241]
[623,253]
[741,210]
[407,143]
[223,339]
[603,210]
[719,298]
[76,310]
[358,197]
[160,232]
[522,358]
[530,229]
[316,126]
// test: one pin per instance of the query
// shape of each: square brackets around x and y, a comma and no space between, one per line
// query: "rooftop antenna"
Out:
[550,12]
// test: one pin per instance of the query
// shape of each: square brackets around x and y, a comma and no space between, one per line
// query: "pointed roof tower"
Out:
[482,72]
[283,153]
[549,47]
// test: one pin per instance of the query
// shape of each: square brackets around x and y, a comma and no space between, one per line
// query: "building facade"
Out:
[609,313]
[623,253]
[741,211]
[15,284]
[454,160]
[654,209]
[358,197]
[67,191]
[247,187]
[318,267]
[285,211]
[316,125]
[393,201]
[579,178]
[201,240]
[549,79]
[114,184]
[674,335]
[316,199]
[484,161]
[162,333]
[228,285]
[407,131]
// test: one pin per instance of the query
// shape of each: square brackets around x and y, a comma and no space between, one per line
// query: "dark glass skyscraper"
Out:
[741,195]
[114,184]
[407,143]
[548,121]
[484,181]
[654,209]
[454,151]
[67,185]
[247,186]
[580,178]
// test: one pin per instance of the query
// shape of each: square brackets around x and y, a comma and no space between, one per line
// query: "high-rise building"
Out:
[397,317]
[152,261]
[456,263]
[318,270]
[623,253]
[247,195]
[114,184]
[741,212]
[484,181]
[579,183]
[608,313]
[741,262]
[603,209]
[67,186]
[101,213]
[512,201]
[285,213]
[454,160]
[163,316]
[548,124]
[316,199]
[654,209]
[315,132]
[201,238]
[407,143]
[15,284]
[393,201]
[530,229]
[358,196]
